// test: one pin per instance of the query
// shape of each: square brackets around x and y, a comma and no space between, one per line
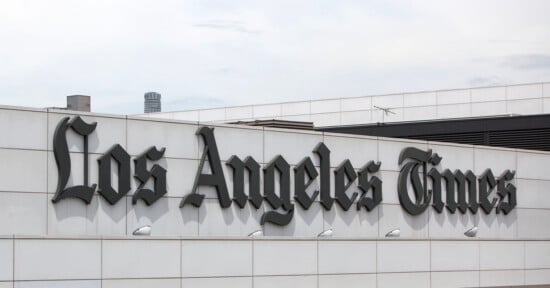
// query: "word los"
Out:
[283,208]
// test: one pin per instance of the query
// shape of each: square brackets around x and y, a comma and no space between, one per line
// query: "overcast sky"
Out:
[204,53]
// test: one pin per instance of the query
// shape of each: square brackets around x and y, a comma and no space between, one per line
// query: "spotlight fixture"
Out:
[394,233]
[142,231]
[256,233]
[326,233]
[472,232]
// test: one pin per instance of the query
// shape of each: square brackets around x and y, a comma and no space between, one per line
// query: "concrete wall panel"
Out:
[416,280]
[140,283]
[325,106]
[420,99]
[455,279]
[23,213]
[141,259]
[453,96]
[501,278]
[347,257]
[23,170]
[500,255]
[229,282]
[356,104]
[285,258]
[348,281]
[24,129]
[537,254]
[285,281]
[524,91]
[6,261]
[179,139]
[403,256]
[454,255]
[216,258]
[41,259]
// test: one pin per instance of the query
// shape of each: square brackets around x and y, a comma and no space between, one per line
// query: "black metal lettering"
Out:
[411,170]
[283,200]
[215,179]
[278,218]
[487,183]
[471,179]
[374,184]
[506,190]
[122,158]
[324,158]
[344,172]
[438,203]
[63,160]
[303,168]
[253,169]
[458,199]
[157,172]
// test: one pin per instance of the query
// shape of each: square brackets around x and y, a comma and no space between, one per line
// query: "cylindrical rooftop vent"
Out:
[152,102]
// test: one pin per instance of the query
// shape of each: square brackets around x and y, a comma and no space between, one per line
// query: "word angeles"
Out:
[462,189]
[283,208]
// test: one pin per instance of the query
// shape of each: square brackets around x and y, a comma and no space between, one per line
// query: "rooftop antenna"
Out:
[386,111]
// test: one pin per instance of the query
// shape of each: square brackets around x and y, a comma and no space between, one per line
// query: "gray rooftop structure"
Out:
[152,102]
[79,103]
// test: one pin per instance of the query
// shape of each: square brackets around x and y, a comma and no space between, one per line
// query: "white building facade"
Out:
[523,99]
[52,238]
